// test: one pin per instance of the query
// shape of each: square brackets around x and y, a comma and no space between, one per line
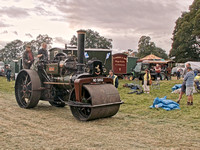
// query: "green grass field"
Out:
[7,87]
[138,105]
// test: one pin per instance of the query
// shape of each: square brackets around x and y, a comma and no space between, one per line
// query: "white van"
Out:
[2,68]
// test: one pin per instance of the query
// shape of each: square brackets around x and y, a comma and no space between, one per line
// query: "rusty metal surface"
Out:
[103,93]
[59,83]
[78,84]
[75,104]
[104,96]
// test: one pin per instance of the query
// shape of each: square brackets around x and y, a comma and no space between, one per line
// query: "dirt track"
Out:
[47,127]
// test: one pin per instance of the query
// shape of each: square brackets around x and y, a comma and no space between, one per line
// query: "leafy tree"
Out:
[94,40]
[73,40]
[12,50]
[186,35]
[146,47]
[37,43]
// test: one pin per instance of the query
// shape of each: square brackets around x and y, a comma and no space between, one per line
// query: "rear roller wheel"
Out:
[27,88]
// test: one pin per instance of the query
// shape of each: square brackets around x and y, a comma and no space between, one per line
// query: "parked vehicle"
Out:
[175,69]
[194,64]
[140,68]
[2,71]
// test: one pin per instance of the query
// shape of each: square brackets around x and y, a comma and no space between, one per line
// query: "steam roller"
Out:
[69,80]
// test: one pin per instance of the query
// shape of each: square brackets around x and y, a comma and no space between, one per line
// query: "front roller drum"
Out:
[27,86]
[98,101]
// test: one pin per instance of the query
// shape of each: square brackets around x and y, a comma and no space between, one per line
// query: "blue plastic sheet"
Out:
[165,104]
[176,86]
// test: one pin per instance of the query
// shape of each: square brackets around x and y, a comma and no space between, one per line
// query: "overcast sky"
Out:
[124,21]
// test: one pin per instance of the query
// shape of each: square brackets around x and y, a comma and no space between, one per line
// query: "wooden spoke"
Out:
[29,83]
[23,96]
[26,79]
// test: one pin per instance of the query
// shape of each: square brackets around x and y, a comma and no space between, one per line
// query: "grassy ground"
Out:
[138,105]
[135,126]
[7,87]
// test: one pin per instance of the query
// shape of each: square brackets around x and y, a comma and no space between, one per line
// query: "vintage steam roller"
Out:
[65,80]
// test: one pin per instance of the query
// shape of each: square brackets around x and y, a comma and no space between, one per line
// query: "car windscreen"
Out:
[145,66]
[138,67]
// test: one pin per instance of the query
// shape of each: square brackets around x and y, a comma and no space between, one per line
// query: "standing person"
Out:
[178,74]
[28,58]
[158,71]
[8,73]
[168,70]
[114,77]
[145,81]
[189,80]
[42,53]
[183,87]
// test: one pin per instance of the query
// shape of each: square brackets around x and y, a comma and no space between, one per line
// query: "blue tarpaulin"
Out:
[176,86]
[165,104]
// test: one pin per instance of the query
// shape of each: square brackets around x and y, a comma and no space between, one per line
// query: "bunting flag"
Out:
[86,55]
[108,55]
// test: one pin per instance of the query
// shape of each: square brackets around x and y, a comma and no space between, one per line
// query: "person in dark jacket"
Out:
[8,73]
[168,72]
[28,57]
[42,53]
[178,74]
[114,77]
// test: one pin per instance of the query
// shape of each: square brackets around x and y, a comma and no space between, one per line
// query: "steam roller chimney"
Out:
[81,49]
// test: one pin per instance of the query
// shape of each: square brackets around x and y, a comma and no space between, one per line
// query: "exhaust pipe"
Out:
[81,50]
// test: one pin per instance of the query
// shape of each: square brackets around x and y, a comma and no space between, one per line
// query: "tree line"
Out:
[14,49]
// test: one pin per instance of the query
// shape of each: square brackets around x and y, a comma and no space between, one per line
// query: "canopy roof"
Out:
[158,61]
[151,57]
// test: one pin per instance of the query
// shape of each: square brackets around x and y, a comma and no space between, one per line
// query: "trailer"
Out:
[123,64]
